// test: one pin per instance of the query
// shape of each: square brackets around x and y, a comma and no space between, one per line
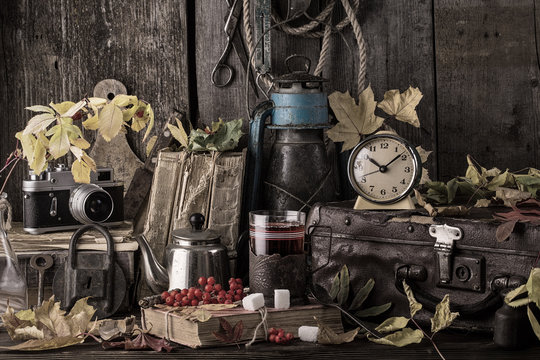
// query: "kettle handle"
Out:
[255,153]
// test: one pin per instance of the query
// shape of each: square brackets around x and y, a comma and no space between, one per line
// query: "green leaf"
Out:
[334,290]
[40,108]
[514,293]
[362,295]
[528,183]
[373,311]
[353,120]
[414,305]
[442,317]
[534,322]
[505,179]
[392,324]
[343,293]
[402,106]
[451,187]
[400,338]
[533,286]
[225,138]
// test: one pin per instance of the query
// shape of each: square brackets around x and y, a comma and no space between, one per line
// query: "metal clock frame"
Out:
[416,161]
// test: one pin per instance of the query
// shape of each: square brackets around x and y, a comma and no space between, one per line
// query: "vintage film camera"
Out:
[53,201]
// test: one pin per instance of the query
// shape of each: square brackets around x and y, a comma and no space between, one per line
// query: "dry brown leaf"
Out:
[505,229]
[44,344]
[481,203]
[402,106]
[452,210]
[327,336]
[214,307]
[424,154]
[229,334]
[511,196]
[354,120]
[429,208]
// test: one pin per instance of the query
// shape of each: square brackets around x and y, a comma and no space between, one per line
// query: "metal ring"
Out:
[46,258]
[217,69]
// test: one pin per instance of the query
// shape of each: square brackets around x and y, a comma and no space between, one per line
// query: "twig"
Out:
[430,339]
[8,175]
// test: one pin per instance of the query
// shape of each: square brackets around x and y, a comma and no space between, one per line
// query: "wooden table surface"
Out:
[452,345]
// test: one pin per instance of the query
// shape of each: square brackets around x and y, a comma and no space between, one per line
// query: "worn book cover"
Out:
[174,327]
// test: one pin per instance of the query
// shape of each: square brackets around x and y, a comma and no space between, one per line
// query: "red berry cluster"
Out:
[208,293]
[278,336]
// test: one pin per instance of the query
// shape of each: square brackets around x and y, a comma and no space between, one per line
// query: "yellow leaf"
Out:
[354,120]
[110,121]
[40,108]
[43,139]
[414,305]
[150,144]
[400,338]
[123,100]
[39,123]
[138,123]
[59,142]
[534,322]
[97,101]
[328,336]
[89,161]
[179,133]
[92,123]
[74,109]
[80,172]
[80,315]
[128,113]
[39,163]
[62,107]
[27,142]
[150,114]
[402,106]
[392,324]
[76,151]
[442,317]
[80,143]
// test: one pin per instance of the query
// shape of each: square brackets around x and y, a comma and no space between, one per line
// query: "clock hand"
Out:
[374,162]
[394,159]
[373,172]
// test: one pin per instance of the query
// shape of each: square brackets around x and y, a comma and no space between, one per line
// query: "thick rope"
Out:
[306,31]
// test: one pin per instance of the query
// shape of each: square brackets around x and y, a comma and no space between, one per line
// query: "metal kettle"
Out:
[191,254]
[299,171]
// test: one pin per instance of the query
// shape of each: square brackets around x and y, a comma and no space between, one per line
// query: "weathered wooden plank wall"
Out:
[476,63]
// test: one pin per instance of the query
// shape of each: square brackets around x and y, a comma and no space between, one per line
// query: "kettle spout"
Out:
[155,274]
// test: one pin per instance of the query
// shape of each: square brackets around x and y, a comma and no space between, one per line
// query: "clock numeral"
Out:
[358,165]
[404,157]
[402,182]
[365,156]
[394,189]
[396,149]
[384,146]
[363,179]
[383,192]
[372,148]
[407,169]
[371,187]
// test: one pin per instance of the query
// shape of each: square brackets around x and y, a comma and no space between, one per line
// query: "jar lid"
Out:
[196,233]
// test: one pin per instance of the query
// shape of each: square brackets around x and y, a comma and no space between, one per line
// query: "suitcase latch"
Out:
[444,247]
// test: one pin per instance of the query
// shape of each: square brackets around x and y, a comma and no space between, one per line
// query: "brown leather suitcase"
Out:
[436,256]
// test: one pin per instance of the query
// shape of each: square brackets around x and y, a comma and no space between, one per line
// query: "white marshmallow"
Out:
[308,333]
[253,302]
[282,299]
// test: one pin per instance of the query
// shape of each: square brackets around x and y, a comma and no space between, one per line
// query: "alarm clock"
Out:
[384,169]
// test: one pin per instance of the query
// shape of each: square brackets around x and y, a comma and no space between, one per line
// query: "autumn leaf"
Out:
[150,144]
[520,290]
[414,305]
[110,121]
[74,109]
[392,324]
[225,138]
[400,338]
[424,154]
[362,295]
[373,310]
[97,101]
[80,143]
[123,100]
[142,341]
[353,120]
[63,107]
[92,123]
[229,334]
[335,287]
[149,112]
[39,123]
[43,344]
[179,133]
[80,171]
[533,286]
[402,106]
[27,142]
[216,307]
[39,162]
[443,317]
[40,108]
[327,336]
[343,293]
[59,142]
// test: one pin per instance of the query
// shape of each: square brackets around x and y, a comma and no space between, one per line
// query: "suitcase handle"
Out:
[429,301]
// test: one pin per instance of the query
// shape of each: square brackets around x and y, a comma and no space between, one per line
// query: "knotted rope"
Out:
[264,312]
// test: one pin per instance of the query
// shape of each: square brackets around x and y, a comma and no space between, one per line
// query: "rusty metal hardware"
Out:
[41,262]
[444,246]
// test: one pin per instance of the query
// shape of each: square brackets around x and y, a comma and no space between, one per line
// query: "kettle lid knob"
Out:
[197,221]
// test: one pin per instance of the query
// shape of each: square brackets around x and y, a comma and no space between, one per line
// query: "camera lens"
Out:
[89,203]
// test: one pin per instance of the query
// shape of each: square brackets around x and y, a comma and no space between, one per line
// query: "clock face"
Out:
[384,168]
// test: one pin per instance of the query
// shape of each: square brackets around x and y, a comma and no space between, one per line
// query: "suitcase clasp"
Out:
[444,247]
